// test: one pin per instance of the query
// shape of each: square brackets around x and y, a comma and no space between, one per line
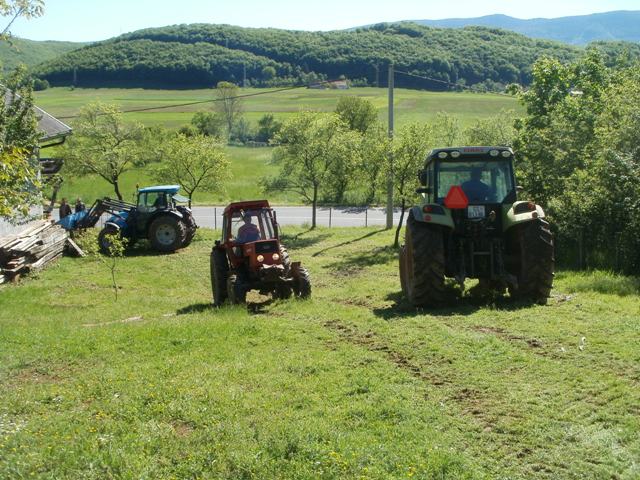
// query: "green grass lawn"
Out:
[352,383]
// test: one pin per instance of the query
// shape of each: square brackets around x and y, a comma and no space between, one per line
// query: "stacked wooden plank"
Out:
[31,249]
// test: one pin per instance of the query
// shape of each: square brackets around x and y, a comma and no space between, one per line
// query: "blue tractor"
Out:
[156,216]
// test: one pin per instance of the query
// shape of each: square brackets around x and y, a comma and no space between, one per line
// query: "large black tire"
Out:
[422,269]
[103,241]
[236,292]
[219,272]
[190,228]
[166,233]
[532,245]
[302,284]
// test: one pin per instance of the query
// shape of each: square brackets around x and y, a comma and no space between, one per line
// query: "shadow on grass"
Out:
[599,281]
[303,239]
[195,308]
[377,255]
[343,244]
[457,304]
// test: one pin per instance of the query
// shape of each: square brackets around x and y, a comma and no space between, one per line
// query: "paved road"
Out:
[211,217]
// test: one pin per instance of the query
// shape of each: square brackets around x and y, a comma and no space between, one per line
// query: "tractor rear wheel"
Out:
[166,233]
[302,284]
[103,238]
[219,273]
[422,264]
[236,292]
[190,228]
[533,247]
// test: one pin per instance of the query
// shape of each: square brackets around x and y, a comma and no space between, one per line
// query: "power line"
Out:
[213,100]
[450,84]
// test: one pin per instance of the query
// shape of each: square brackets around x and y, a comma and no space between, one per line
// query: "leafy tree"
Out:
[115,252]
[209,123]
[310,147]
[18,137]
[372,161]
[19,8]
[268,127]
[229,106]
[358,113]
[195,163]
[103,144]
[495,130]
[410,148]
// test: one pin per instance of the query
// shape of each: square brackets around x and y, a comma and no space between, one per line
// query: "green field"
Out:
[249,165]
[352,383]
[410,105]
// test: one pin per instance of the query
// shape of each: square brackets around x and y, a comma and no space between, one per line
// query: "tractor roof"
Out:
[247,205]
[172,189]
[469,153]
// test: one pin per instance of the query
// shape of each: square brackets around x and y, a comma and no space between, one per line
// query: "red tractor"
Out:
[251,257]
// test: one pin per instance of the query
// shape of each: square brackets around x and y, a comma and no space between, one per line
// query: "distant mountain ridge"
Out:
[621,25]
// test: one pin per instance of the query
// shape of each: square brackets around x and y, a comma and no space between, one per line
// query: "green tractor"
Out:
[471,225]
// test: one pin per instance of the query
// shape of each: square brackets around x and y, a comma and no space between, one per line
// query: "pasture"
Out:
[353,383]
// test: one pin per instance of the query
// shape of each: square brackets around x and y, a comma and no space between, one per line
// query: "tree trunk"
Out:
[190,195]
[396,244]
[314,204]
[116,187]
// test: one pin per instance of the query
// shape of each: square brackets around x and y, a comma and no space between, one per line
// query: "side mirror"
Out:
[422,177]
[519,188]
[423,190]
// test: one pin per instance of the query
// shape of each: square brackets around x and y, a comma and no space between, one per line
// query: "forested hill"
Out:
[31,52]
[200,55]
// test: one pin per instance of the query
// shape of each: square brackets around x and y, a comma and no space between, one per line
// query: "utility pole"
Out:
[390,176]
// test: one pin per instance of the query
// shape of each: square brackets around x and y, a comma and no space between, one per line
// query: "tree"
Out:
[372,161]
[209,123]
[229,106]
[195,163]
[19,8]
[310,147]
[103,144]
[446,130]
[268,127]
[358,113]
[495,130]
[410,148]
[19,181]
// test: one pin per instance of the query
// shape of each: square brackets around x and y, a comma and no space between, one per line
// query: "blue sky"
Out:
[89,20]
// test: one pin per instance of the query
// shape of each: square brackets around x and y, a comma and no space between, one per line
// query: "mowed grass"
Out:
[409,105]
[353,383]
[248,166]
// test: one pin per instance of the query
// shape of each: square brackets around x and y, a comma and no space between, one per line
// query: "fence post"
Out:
[215,218]
[330,210]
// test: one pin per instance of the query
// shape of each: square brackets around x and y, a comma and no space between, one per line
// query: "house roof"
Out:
[49,127]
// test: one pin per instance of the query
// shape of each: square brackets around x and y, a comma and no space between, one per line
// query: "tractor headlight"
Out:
[275,257]
[442,155]
[506,153]
[455,154]
[494,153]
[260,258]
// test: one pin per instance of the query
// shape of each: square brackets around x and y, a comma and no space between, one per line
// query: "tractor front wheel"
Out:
[219,272]
[422,264]
[166,233]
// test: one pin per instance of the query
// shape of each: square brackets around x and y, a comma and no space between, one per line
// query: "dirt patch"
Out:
[502,333]
[138,318]
[373,343]
[182,429]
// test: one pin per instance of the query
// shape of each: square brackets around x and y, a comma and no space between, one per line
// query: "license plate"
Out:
[475,211]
